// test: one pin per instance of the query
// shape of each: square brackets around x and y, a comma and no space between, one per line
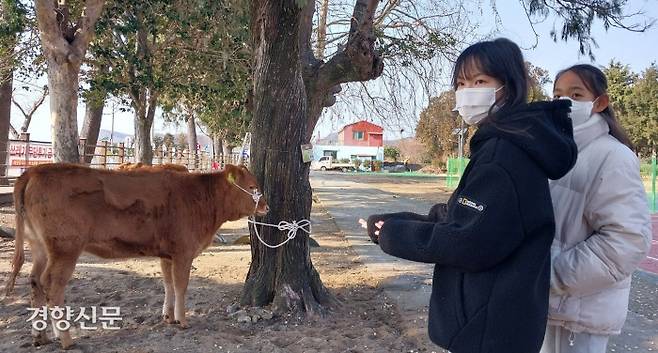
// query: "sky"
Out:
[638,50]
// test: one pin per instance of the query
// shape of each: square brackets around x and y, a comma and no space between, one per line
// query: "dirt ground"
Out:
[367,321]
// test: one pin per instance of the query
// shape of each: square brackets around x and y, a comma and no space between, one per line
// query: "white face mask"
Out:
[473,104]
[580,111]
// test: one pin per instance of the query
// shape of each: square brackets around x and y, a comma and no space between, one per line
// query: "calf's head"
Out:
[249,200]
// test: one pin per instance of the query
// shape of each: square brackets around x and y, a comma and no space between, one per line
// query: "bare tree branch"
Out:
[322,30]
[418,40]
[13,131]
[27,114]
[358,61]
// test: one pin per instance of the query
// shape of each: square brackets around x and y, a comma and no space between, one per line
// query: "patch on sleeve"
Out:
[470,203]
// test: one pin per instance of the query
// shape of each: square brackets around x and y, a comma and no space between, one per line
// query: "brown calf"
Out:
[63,210]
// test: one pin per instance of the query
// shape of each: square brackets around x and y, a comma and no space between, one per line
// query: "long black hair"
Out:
[501,59]
[596,82]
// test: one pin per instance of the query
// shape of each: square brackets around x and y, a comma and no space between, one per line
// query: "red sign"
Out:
[24,154]
[34,150]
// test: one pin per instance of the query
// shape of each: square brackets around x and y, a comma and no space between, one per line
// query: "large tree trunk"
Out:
[144,98]
[143,150]
[91,127]
[144,114]
[64,46]
[63,81]
[284,276]
[227,149]
[192,138]
[218,148]
[291,87]
[6,81]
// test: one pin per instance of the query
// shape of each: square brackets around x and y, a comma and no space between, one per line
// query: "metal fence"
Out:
[454,170]
[648,172]
[21,154]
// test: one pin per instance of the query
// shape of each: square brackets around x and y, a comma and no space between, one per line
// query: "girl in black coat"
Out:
[491,242]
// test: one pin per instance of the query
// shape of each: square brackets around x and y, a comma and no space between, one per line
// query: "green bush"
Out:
[376,166]
[392,152]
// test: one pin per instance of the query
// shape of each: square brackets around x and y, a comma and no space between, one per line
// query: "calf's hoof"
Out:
[169,319]
[183,325]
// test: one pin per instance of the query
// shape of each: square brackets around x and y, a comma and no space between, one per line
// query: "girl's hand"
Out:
[373,231]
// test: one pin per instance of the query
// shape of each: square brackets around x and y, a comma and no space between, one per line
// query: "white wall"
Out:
[348,151]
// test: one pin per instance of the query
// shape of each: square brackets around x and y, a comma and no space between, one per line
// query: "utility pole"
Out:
[112,130]
[460,152]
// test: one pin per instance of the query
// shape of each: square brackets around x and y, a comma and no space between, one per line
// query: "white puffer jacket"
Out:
[603,231]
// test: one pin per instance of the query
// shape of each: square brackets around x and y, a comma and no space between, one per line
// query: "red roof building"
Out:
[361,133]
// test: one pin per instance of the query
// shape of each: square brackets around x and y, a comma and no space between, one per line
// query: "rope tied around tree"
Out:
[292,227]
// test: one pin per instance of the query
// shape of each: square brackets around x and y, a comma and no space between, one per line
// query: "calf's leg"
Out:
[54,279]
[168,306]
[38,296]
[181,276]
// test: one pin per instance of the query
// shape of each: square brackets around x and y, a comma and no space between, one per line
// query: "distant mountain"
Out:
[117,136]
[397,142]
[331,139]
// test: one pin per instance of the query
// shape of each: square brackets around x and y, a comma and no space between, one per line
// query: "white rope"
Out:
[256,195]
[292,228]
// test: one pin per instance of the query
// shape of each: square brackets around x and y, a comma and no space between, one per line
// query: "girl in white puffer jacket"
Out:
[603,227]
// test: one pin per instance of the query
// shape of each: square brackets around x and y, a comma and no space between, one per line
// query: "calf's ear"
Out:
[230,171]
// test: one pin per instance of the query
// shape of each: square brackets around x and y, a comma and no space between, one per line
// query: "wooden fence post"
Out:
[122,153]
[103,154]
[25,136]
[82,150]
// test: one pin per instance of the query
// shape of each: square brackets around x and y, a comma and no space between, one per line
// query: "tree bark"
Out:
[64,47]
[91,127]
[6,82]
[144,97]
[218,148]
[144,115]
[284,276]
[63,78]
[291,87]
[192,138]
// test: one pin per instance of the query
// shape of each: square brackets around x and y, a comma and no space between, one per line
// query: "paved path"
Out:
[347,199]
